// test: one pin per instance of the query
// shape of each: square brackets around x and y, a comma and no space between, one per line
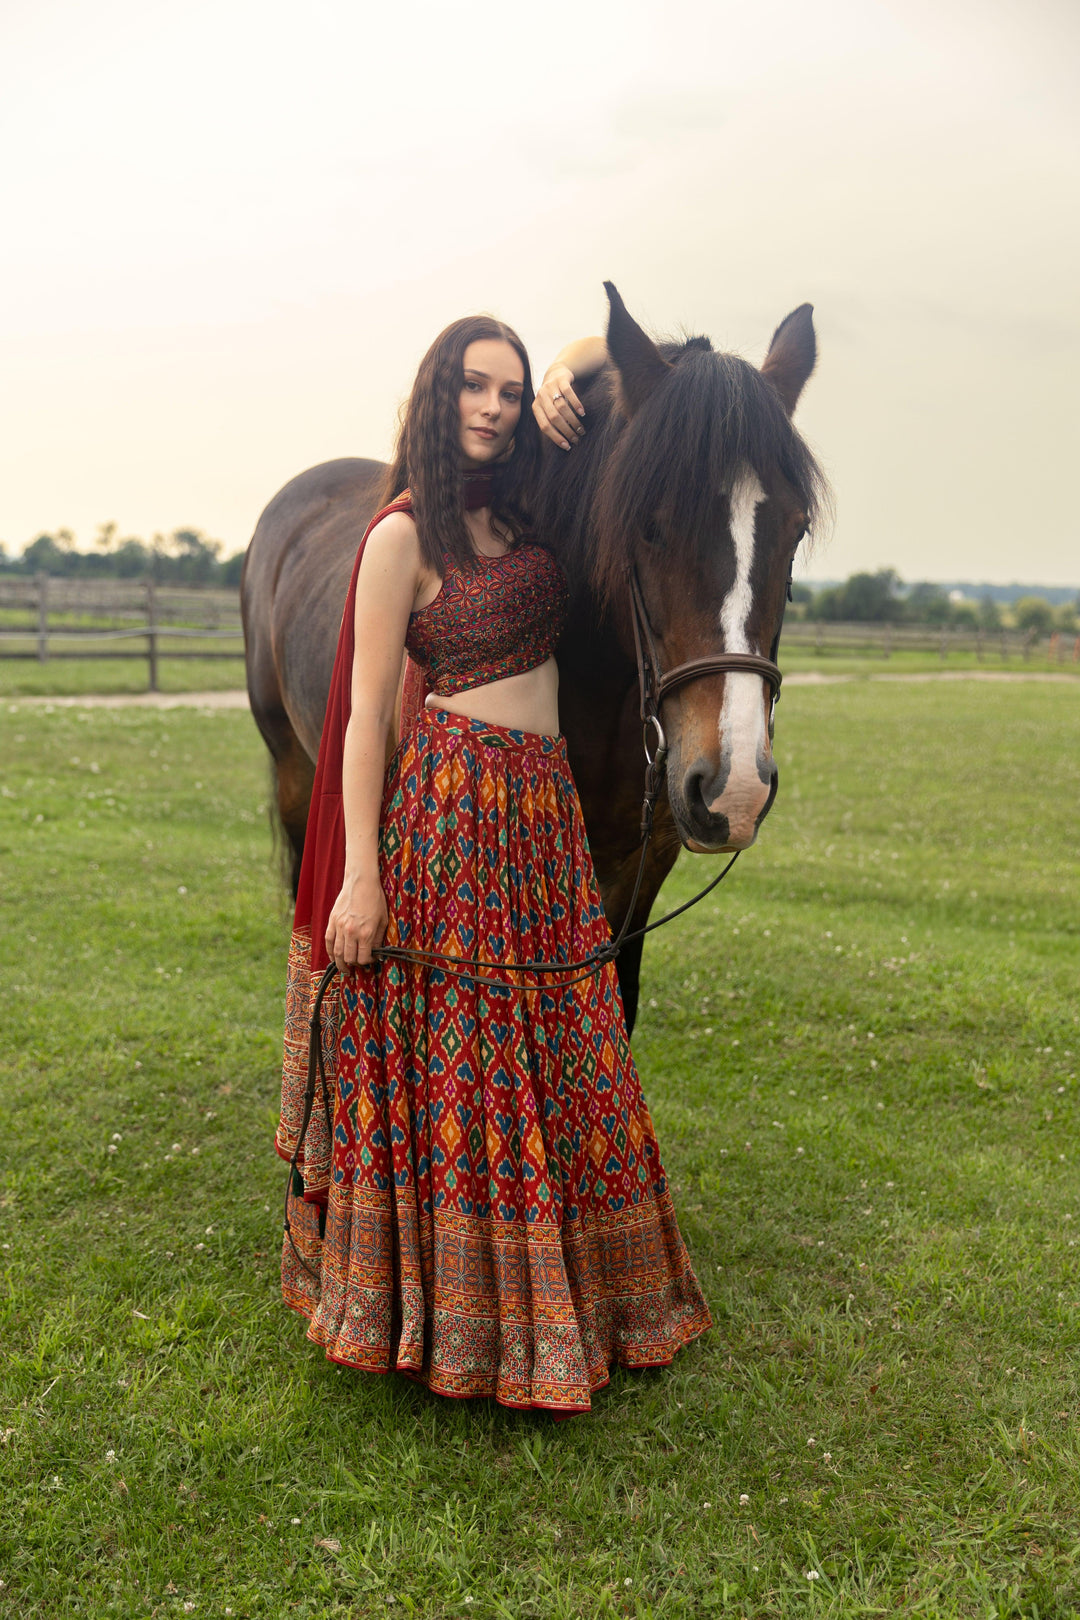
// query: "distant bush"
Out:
[864,598]
[1034,613]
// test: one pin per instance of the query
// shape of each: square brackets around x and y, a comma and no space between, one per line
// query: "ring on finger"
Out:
[556,396]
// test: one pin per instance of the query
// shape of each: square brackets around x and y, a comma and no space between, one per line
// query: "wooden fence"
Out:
[44,619]
[882,640]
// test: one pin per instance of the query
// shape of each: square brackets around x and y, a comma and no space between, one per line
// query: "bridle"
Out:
[654,685]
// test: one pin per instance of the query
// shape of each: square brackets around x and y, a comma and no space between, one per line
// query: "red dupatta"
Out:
[323,866]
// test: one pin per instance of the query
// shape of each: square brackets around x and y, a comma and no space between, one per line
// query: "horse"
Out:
[692,488]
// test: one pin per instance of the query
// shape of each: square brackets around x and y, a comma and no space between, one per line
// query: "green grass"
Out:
[796,657]
[884,1224]
[79,677]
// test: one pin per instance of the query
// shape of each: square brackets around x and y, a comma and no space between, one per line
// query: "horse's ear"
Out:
[791,355]
[634,354]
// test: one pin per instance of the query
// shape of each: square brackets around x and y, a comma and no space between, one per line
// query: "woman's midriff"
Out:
[526,702]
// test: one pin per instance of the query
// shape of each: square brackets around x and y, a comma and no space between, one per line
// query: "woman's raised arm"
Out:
[557,408]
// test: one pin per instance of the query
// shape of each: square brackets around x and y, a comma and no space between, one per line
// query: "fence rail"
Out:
[45,619]
[882,640]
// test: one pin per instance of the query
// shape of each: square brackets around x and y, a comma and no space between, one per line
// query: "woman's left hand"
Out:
[557,409]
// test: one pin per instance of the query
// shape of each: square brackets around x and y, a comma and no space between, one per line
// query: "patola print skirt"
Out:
[490,1214]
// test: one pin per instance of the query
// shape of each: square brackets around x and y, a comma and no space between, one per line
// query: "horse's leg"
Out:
[628,967]
[295,775]
[617,887]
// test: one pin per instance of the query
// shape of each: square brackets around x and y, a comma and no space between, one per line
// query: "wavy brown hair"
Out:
[427,460]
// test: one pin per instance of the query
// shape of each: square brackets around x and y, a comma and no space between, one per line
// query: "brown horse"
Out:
[691,472]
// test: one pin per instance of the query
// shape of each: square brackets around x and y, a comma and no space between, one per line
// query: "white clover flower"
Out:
[113,1147]
[294,1521]
[812,1575]
[743,1499]
[117,1137]
[811,1441]
[110,1456]
[826,1456]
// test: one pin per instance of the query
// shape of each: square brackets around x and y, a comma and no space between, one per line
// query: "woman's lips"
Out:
[486,433]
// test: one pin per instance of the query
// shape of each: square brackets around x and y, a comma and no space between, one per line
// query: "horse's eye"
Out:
[652,533]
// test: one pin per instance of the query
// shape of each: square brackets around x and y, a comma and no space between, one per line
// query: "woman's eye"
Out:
[512,399]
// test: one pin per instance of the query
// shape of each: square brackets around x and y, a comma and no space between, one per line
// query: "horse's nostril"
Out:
[701,789]
[774,783]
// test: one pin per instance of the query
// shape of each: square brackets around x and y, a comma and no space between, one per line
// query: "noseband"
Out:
[655,685]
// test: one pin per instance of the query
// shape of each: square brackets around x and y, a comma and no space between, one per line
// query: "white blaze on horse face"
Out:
[744,740]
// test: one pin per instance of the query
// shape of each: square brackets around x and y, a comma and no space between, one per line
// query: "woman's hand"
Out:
[357,924]
[557,409]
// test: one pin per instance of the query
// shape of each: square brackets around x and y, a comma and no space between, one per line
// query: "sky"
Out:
[231,229]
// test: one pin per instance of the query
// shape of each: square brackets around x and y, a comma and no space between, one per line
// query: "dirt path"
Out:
[239,699]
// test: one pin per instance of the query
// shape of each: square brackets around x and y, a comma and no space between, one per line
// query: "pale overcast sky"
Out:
[231,229]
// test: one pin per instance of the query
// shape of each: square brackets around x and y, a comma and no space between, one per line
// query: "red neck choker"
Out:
[476,488]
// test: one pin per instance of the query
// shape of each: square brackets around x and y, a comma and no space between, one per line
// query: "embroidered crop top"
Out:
[501,618]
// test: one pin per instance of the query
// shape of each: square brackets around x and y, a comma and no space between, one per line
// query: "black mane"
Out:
[712,418]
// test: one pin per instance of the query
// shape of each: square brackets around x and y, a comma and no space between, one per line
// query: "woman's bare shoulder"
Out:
[394,540]
[394,526]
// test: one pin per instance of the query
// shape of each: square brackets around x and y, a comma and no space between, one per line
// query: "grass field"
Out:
[76,676]
[861,1056]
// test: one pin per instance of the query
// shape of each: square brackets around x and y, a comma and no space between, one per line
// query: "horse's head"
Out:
[707,491]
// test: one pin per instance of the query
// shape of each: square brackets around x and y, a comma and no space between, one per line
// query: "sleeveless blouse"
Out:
[501,618]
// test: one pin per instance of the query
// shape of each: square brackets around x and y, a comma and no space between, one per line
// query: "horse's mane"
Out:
[712,418]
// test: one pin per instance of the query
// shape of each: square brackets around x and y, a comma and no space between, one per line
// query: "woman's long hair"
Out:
[427,460]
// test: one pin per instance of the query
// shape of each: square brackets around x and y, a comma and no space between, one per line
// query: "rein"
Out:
[654,685]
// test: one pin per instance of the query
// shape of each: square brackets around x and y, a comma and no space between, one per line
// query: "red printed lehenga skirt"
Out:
[491,1216]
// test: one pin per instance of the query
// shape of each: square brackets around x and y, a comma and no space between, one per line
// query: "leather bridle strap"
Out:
[655,684]
[722,664]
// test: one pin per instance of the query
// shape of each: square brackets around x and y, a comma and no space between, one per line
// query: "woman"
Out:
[489,1213]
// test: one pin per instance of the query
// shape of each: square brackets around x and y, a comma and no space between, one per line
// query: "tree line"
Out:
[184,557]
[189,557]
[881,598]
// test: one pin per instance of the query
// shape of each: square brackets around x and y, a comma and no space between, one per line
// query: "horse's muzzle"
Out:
[715,813]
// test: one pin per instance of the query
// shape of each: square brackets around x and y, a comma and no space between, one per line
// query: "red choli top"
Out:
[478,619]
[501,618]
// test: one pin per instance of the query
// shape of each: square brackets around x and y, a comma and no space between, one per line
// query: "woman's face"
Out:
[490,400]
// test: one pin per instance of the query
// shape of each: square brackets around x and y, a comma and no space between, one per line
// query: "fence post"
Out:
[43,618]
[887,652]
[818,639]
[978,644]
[944,642]
[1004,646]
[151,634]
